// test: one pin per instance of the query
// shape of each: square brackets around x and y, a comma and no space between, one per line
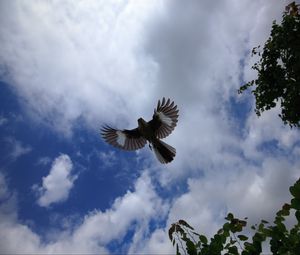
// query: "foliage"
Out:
[278,81]
[279,69]
[229,240]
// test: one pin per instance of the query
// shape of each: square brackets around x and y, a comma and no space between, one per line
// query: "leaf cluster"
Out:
[229,240]
[278,69]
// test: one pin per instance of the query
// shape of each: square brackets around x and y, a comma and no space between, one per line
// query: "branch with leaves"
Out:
[229,240]
[278,69]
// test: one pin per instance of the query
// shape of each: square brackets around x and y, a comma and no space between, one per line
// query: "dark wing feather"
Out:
[123,139]
[165,118]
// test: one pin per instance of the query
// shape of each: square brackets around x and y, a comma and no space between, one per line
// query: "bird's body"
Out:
[163,122]
[146,130]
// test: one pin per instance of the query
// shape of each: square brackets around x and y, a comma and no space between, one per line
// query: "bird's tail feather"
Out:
[165,153]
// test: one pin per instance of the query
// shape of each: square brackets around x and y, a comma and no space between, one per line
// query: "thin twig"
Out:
[238,241]
[187,231]
[181,243]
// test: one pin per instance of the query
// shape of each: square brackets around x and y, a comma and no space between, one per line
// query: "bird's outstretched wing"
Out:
[165,118]
[124,139]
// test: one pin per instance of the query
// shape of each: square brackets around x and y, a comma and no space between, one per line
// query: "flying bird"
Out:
[163,122]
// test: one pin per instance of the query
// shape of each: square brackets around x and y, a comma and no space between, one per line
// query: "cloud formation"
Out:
[82,61]
[3,121]
[108,63]
[57,184]
[17,148]
[131,211]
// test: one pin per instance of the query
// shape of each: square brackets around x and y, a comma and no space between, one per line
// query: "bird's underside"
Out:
[162,124]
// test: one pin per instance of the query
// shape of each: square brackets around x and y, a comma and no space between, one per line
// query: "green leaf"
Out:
[229,217]
[203,239]
[226,233]
[258,238]
[295,203]
[171,231]
[279,218]
[295,189]
[249,246]
[244,252]
[234,221]
[233,250]
[239,227]
[223,239]
[226,226]
[242,237]
[261,226]
[281,227]
[257,247]
[184,223]
[286,207]
[273,82]
[285,211]
[297,214]
[243,223]
[267,232]
[217,238]
[191,248]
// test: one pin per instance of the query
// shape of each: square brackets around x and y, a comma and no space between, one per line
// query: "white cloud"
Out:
[198,53]
[98,228]
[3,121]
[17,148]
[57,185]
[71,60]
[3,187]
[140,205]
[157,243]
[110,62]
[268,127]
[256,192]
[43,161]
[198,50]
[265,186]
[108,158]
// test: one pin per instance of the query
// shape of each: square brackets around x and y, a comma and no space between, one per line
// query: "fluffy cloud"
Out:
[108,158]
[75,60]
[157,243]
[44,161]
[110,62]
[267,128]
[17,148]
[201,57]
[3,187]
[3,121]
[135,209]
[57,185]
[256,192]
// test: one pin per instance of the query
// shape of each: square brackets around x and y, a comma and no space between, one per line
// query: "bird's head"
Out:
[141,122]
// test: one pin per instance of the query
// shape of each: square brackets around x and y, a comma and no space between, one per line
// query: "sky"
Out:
[69,67]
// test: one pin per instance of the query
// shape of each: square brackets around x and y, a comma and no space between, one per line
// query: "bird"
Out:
[163,122]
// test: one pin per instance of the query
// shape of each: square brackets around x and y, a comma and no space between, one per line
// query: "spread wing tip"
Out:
[123,139]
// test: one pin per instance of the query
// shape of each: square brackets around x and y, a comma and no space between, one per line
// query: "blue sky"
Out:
[66,68]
